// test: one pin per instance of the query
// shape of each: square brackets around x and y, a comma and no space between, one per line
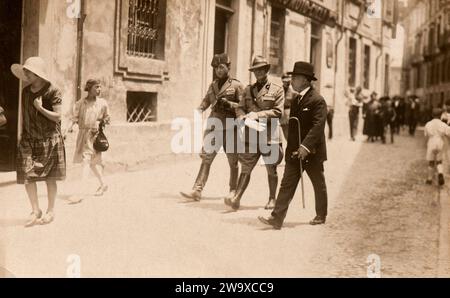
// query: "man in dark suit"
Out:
[310,107]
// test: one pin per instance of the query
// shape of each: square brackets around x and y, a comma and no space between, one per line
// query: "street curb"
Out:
[74,171]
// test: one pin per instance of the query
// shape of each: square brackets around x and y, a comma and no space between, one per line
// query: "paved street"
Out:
[142,227]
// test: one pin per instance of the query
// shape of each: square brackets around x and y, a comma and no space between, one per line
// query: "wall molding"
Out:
[134,68]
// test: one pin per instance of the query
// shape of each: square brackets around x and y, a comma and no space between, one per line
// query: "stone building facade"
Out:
[153,56]
[426,65]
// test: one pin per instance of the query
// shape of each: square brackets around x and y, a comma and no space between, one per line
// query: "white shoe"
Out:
[101,190]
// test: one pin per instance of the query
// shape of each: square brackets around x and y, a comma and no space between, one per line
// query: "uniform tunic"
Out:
[231,90]
[268,104]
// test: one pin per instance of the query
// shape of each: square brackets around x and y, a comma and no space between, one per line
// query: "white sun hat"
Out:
[34,64]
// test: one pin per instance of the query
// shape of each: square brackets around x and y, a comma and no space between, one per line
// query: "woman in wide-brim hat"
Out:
[41,152]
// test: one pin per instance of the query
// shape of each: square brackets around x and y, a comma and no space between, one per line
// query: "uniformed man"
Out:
[288,95]
[223,97]
[261,102]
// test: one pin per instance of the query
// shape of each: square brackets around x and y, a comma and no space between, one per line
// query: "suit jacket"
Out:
[311,110]
[268,104]
[232,91]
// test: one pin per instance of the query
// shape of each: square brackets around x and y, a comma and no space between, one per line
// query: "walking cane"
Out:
[301,166]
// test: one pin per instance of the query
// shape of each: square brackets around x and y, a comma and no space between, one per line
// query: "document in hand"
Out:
[253,124]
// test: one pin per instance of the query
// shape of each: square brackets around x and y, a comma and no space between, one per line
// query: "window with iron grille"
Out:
[146,23]
[141,107]
[352,62]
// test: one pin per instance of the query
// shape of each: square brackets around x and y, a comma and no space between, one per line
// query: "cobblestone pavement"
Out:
[142,227]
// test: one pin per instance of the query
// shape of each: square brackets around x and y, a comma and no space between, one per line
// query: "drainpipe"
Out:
[252,41]
[342,6]
[381,52]
[266,28]
[80,25]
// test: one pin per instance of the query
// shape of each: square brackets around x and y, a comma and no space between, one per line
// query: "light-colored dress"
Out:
[86,114]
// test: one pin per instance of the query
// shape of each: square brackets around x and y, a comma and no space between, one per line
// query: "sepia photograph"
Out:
[199,139]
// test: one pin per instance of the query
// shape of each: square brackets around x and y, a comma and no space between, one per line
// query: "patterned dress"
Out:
[41,154]
[86,113]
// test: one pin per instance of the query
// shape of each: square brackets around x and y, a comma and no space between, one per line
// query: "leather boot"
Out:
[243,182]
[202,177]
[273,183]
[234,175]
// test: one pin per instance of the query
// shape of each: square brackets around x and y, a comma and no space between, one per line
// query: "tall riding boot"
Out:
[235,202]
[202,177]
[234,175]
[273,183]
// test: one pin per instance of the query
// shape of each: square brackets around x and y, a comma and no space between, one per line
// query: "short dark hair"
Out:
[437,112]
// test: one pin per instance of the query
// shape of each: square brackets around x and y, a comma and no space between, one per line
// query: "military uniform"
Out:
[268,103]
[223,98]
[231,91]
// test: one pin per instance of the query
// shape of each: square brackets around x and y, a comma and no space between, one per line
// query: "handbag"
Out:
[101,143]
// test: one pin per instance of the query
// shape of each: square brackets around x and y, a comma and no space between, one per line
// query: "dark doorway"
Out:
[10,43]
[223,14]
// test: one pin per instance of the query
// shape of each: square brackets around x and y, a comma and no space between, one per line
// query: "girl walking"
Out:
[90,114]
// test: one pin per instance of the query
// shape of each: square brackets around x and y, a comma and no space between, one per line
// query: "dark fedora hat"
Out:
[220,59]
[304,68]
[259,62]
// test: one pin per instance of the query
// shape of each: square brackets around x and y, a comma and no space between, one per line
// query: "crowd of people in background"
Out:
[385,116]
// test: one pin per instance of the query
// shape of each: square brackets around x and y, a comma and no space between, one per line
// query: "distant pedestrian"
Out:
[389,117]
[90,114]
[399,107]
[289,93]
[354,103]
[378,120]
[330,117]
[436,131]
[41,152]
[412,114]
[2,117]
[371,110]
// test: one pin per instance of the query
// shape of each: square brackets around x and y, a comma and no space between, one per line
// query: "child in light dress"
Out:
[90,113]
